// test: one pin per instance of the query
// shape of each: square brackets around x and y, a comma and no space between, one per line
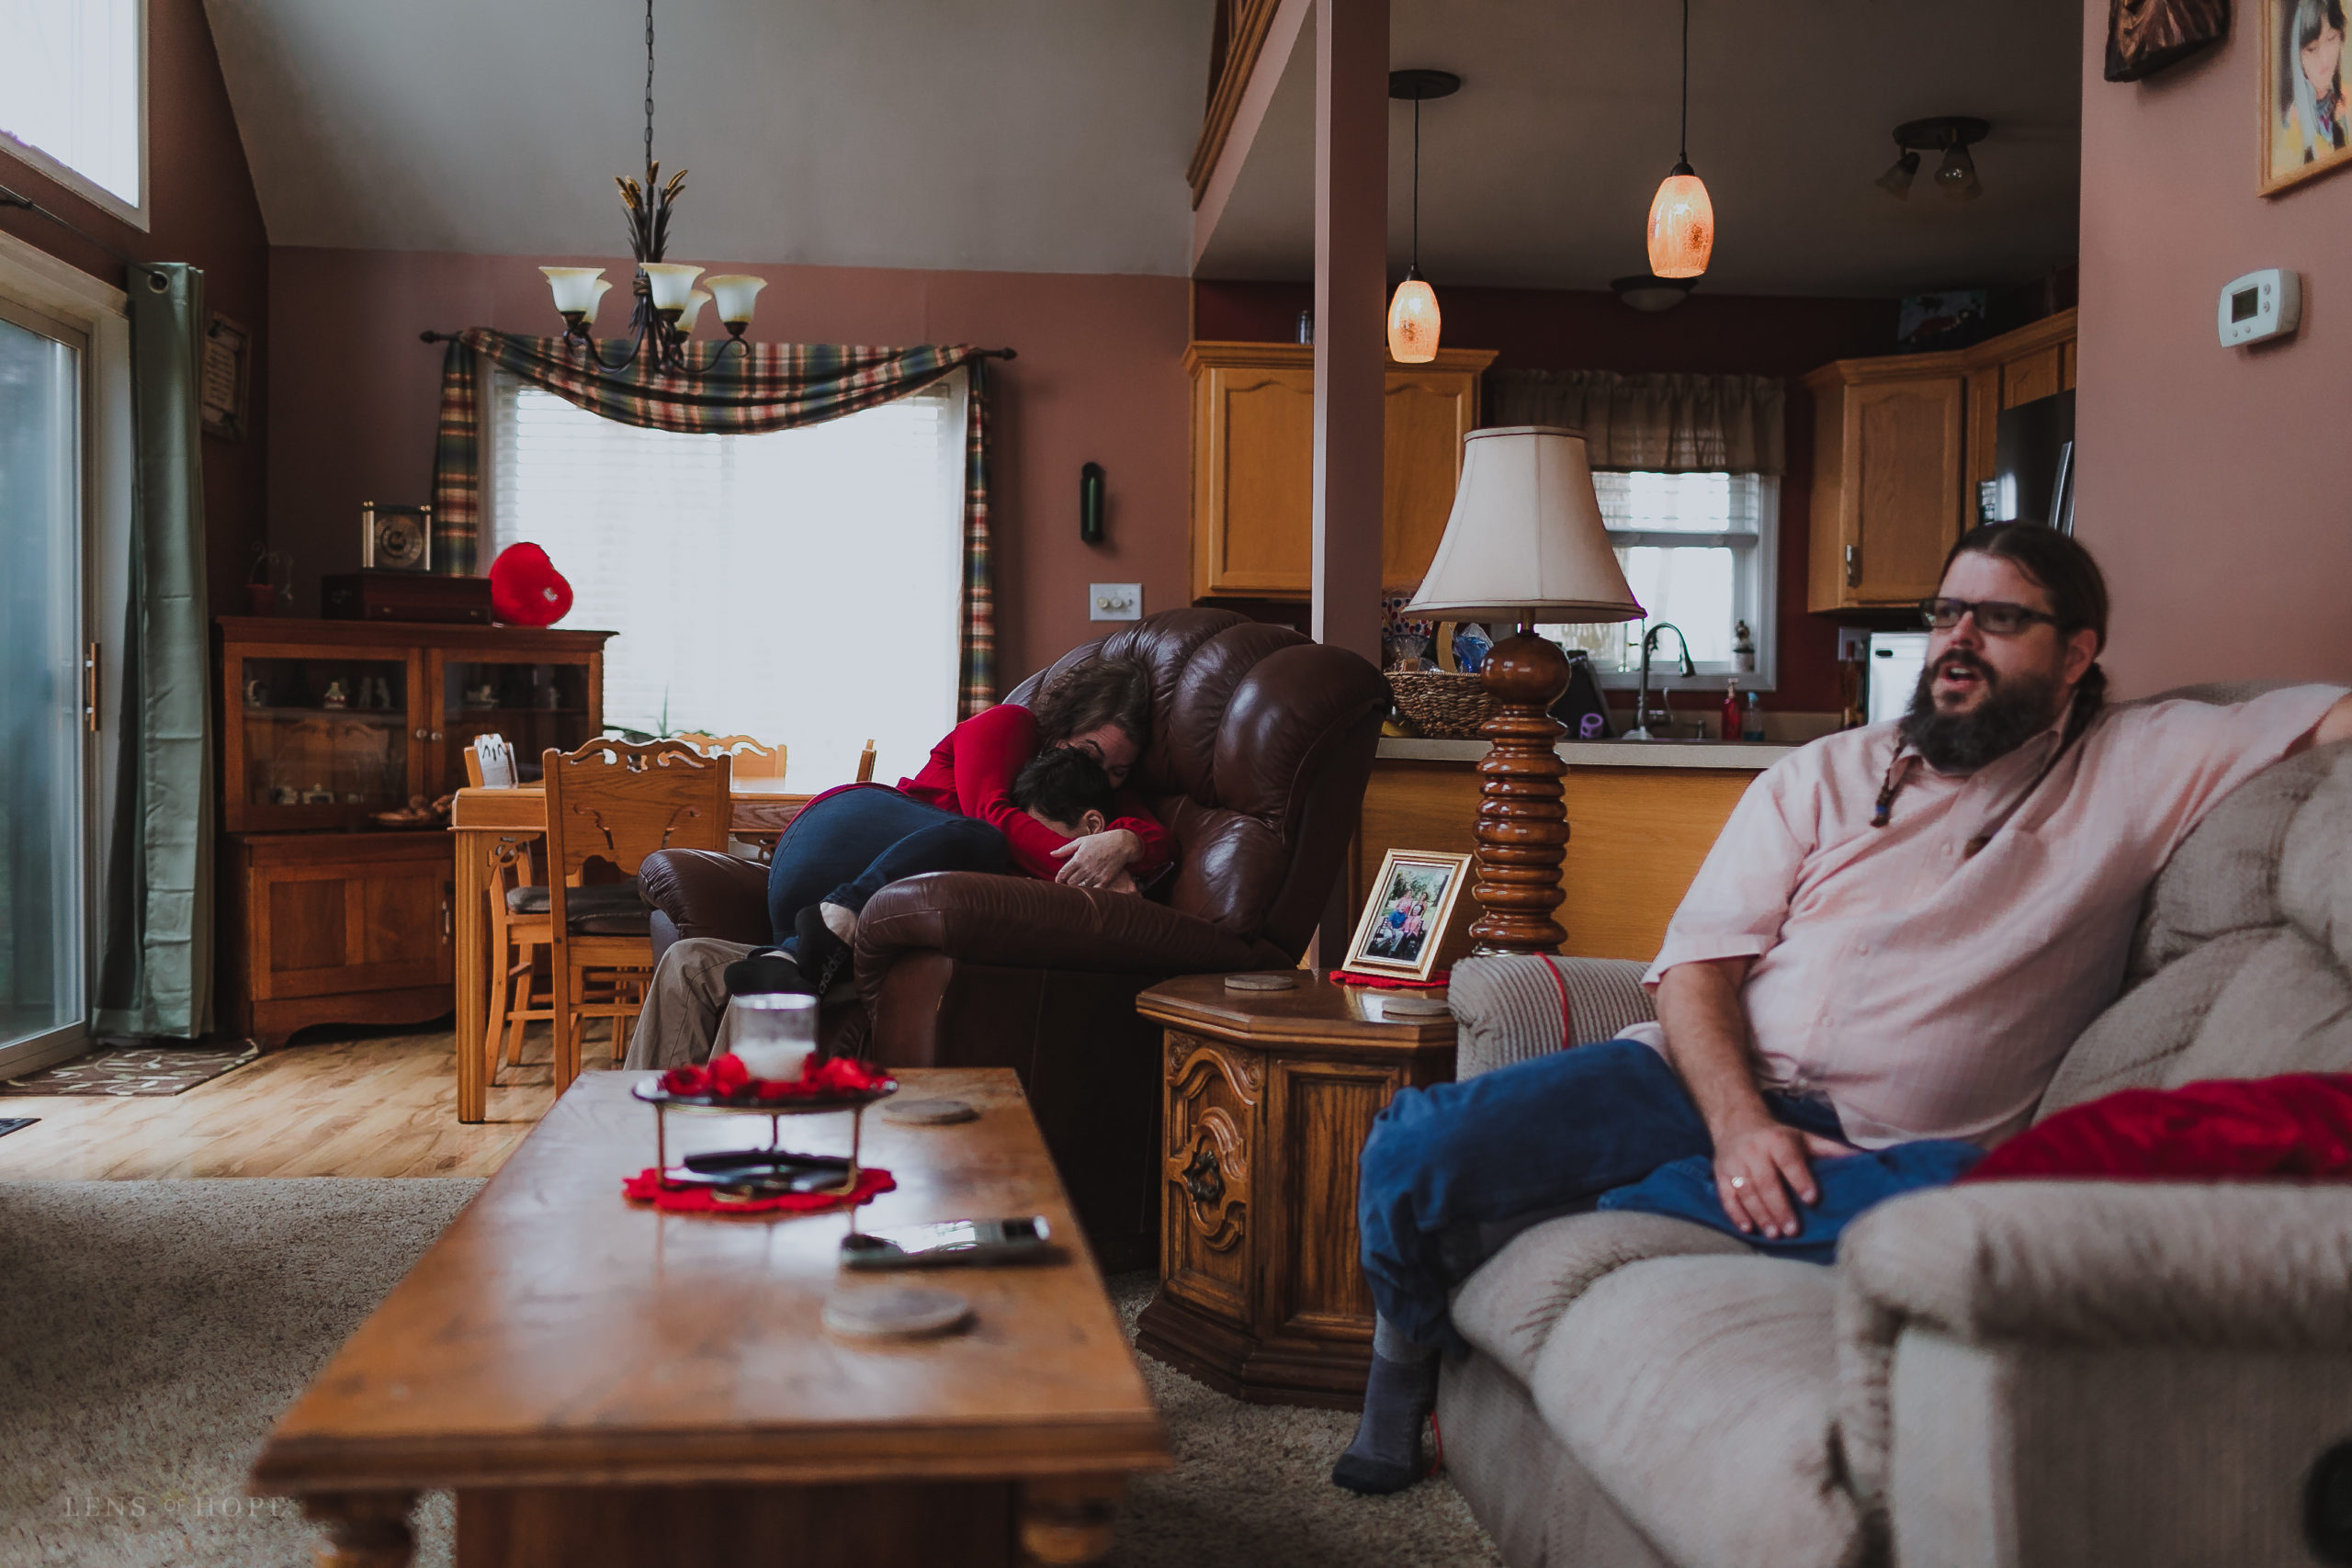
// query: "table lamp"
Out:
[1525,543]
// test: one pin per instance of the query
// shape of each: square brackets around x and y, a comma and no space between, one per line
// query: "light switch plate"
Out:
[1853,644]
[1114,601]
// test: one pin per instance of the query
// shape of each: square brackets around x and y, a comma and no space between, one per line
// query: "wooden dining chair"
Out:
[753,759]
[615,803]
[520,925]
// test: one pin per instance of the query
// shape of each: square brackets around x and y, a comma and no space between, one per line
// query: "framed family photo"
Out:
[1406,918]
[2304,123]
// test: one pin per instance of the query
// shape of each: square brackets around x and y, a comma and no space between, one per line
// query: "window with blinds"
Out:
[1701,551]
[802,586]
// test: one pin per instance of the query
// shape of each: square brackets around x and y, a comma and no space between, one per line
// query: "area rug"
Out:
[137,1070]
[151,1331]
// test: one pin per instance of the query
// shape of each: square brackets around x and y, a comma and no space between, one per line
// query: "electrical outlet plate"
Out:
[1114,601]
[1853,644]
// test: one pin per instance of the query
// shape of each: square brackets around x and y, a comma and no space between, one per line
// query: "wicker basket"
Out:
[1443,706]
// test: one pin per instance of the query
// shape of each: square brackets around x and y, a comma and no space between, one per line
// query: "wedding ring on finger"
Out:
[1738,1183]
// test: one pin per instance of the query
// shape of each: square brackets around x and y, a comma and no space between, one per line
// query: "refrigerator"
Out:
[2033,465]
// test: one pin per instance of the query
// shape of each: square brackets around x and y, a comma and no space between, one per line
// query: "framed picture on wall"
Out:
[224,377]
[1405,919]
[2306,129]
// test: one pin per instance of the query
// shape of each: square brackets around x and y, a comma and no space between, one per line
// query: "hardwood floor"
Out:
[381,1104]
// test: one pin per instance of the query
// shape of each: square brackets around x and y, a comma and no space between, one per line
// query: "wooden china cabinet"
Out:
[326,917]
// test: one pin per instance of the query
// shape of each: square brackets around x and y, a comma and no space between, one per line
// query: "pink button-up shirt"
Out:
[1926,993]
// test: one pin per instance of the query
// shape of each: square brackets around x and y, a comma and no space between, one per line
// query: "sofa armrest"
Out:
[707,894]
[1019,923]
[1519,1006]
[2246,1266]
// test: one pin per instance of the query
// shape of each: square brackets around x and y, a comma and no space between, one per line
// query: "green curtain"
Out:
[155,969]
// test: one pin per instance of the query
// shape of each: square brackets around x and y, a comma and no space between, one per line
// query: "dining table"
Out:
[491,825]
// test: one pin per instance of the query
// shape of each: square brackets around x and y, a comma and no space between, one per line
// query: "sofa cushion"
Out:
[1700,1394]
[1509,1307]
[2244,959]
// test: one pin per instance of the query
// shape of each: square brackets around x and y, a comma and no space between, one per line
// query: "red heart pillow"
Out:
[526,590]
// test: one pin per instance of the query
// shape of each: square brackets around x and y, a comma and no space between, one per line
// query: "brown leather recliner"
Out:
[1261,745]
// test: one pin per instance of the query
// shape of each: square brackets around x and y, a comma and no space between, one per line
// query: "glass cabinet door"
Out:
[327,736]
[533,706]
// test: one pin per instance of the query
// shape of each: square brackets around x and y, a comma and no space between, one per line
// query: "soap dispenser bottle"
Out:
[1730,730]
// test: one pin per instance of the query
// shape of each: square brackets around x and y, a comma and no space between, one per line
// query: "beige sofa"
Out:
[2013,1374]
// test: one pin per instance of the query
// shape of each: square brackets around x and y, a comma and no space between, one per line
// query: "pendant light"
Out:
[1413,318]
[1682,221]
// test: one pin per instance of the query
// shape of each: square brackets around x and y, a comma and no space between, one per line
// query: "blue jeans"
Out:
[848,847]
[1452,1172]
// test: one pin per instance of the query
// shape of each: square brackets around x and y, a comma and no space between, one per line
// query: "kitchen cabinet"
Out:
[1886,479]
[1254,465]
[1900,443]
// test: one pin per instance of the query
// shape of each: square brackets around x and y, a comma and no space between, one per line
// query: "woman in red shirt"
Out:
[838,851]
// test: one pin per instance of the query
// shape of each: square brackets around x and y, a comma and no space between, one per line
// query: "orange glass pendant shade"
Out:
[1682,225]
[1413,323]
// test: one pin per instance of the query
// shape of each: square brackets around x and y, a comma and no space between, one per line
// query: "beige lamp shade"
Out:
[1525,541]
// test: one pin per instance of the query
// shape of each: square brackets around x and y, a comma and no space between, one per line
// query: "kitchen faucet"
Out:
[1641,731]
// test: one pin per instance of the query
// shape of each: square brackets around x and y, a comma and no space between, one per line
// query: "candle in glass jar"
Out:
[776,1032]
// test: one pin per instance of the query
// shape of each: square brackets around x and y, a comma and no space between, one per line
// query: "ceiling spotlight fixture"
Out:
[1950,134]
[1651,294]
[667,300]
[1682,219]
[1413,313]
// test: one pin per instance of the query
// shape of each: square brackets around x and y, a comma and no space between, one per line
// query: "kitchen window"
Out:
[73,96]
[802,586]
[1700,551]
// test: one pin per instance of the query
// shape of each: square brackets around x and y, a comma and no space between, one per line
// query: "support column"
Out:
[1351,298]
[1351,345]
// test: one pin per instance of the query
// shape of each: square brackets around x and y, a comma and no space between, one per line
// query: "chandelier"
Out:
[667,300]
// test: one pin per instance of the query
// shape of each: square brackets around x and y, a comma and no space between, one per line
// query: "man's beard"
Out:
[2015,709]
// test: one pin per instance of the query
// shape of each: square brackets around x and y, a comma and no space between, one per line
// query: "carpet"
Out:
[151,1331]
[137,1070]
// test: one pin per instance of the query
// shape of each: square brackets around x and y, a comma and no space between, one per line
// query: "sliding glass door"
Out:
[44,757]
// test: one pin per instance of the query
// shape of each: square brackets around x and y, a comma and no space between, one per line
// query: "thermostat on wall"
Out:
[2265,304]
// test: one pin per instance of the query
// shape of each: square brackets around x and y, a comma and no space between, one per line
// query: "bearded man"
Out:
[1897,935]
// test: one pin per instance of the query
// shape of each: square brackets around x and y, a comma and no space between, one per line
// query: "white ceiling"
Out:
[1539,173]
[1021,135]
[1052,135]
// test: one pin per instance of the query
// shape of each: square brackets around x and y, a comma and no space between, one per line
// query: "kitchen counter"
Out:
[1735,756]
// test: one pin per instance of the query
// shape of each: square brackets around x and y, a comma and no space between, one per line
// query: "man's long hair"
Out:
[2077,590]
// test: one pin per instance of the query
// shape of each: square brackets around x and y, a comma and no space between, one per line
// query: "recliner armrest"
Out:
[1017,922]
[2252,1266]
[707,894]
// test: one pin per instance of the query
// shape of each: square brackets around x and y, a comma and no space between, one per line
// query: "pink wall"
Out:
[1100,378]
[2213,479]
[201,210]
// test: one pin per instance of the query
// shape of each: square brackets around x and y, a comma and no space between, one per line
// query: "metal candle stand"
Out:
[775,1111]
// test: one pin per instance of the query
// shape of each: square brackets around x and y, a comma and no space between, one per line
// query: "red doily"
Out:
[645,1187]
[726,1079]
[1436,982]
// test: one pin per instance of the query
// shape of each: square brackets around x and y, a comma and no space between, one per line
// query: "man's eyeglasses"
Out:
[1997,616]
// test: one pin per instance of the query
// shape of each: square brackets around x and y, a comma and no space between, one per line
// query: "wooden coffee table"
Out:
[1268,1097]
[603,1385]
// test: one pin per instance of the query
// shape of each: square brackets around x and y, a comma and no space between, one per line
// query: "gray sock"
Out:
[1398,1397]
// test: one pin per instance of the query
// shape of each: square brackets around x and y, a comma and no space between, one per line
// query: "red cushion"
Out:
[2298,1125]
[526,590]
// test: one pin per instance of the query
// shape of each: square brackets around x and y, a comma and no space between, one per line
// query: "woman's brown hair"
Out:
[1099,692]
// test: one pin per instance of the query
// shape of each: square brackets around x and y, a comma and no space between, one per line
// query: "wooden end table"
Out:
[1269,1096]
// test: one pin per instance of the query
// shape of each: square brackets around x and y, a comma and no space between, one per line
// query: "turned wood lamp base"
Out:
[1522,829]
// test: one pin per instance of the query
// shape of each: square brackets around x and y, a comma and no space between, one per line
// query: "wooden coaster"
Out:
[1415,1004]
[1272,980]
[927,1112]
[896,1312]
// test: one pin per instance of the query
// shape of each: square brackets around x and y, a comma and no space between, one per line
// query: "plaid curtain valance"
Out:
[1666,423]
[776,387]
